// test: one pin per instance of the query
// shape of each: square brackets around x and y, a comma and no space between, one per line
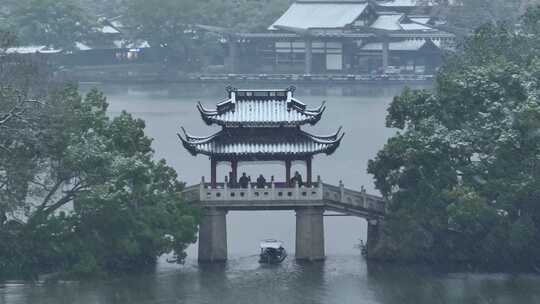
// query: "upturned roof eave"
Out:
[187,145]
[330,142]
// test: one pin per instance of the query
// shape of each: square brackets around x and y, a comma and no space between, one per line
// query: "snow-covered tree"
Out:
[81,192]
[464,168]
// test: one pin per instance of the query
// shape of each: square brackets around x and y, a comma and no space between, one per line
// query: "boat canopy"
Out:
[271,244]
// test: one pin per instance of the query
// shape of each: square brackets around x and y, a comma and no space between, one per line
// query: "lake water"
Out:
[344,277]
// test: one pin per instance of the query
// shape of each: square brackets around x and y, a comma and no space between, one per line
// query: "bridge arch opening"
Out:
[245,230]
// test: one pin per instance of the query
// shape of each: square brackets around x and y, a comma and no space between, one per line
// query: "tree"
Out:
[465,165]
[244,15]
[21,72]
[167,24]
[53,23]
[81,192]
[467,15]
[173,24]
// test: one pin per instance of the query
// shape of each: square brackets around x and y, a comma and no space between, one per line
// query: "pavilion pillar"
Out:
[385,54]
[233,50]
[234,170]
[309,176]
[309,233]
[213,236]
[213,173]
[288,165]
[308,56]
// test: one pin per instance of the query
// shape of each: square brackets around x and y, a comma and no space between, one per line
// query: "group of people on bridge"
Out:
[244,181]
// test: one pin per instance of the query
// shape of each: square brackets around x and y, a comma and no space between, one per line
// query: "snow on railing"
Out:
[274,191]
[355,199]
[270,191]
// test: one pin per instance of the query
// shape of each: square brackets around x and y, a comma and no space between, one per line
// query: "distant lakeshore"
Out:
[150,74]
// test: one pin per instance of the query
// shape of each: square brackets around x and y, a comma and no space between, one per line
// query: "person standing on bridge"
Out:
[244,180]
[261,181]
[297,178]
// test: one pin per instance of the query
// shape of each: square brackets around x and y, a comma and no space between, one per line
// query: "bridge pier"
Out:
[213,235]
[310,233]
[372,234]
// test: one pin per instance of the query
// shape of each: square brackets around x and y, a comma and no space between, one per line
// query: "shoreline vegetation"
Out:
[462,172]
[81,194]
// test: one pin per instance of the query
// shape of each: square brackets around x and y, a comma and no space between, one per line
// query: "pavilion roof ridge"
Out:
[261,108]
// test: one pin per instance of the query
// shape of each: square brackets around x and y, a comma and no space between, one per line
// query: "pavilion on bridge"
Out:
[265,125]
[261,125]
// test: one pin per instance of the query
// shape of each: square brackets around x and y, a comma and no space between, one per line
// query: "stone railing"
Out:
[353,199]
[270,192]
[318,193]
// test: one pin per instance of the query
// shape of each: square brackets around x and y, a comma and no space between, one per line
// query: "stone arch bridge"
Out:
[266,125]
[309,203]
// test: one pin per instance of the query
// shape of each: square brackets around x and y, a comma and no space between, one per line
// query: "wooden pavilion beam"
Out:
[234,170]
[309,175]
[213,173]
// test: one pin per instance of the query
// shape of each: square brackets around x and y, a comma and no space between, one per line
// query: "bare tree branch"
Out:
[42,185]
[70,195]
[16,111]
[51,193]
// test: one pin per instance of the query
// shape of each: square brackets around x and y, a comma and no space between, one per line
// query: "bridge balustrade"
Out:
[335,197]
[351,198]
[221,192]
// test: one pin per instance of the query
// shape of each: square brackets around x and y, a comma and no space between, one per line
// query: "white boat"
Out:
[272,252]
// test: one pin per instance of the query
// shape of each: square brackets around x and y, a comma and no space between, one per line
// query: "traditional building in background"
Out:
[261,125]
[343,36]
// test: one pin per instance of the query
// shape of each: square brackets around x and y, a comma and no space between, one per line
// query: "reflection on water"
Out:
[340,279]
[406,284]
[343,278]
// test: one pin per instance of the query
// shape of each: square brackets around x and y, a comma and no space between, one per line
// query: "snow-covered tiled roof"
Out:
[305,15]
[404,3]
[264,108]
[32,49]
[261,125]
[107,29]
[422,20]
[117,24]
[415,27]
[261,143]
[388,21]
[82,47]
[405,45]
[391,21]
